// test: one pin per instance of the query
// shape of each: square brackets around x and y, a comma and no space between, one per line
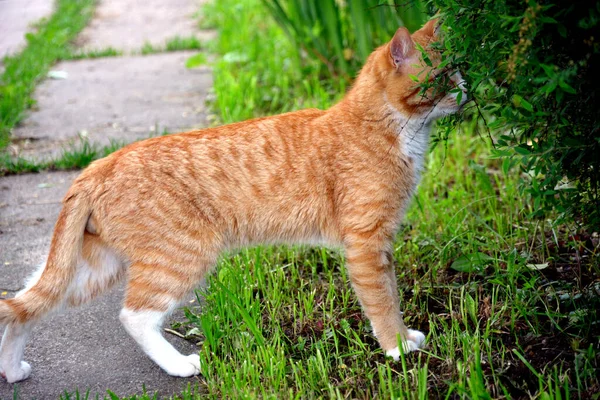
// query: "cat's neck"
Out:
[367,104]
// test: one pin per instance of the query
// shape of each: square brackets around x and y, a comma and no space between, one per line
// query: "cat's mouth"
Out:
[465,99]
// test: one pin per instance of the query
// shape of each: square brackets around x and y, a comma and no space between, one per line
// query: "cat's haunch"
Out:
[159,212]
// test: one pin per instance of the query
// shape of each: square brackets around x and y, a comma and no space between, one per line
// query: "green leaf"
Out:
[469,263]
[550,87]
[522,150]
[250,323]
[548,20]
[537,267]
[549,70]
[424,55]
[519,101]
[459,97]
[566,87]
[112,395]
[506,164]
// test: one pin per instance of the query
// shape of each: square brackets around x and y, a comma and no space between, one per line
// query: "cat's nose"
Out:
[463,87]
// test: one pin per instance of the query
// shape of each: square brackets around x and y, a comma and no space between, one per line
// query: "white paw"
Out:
[417,337]
[184,366]
[18,374]
[413,342]
[194,359]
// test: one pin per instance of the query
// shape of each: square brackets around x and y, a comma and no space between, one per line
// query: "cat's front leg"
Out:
[371,272]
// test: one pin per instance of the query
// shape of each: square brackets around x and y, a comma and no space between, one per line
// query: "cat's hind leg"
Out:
[153,291]
[14,339]
[98,269]
[144,326]
[12,366]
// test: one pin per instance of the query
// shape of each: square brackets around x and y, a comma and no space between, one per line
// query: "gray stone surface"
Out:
[16,19]
[129,24]
[82,348]
[29,206]
[121,98]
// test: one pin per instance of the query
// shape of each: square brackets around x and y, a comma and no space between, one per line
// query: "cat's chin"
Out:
[414,341]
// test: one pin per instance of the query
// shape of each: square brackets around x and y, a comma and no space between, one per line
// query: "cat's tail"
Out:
[65,251]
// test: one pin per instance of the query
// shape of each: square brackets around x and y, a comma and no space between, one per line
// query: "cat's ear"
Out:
[432,28]
[402,47]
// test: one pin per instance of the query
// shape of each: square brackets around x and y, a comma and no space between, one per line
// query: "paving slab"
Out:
[17,18]
[129,24]
[122,98]
[81,348]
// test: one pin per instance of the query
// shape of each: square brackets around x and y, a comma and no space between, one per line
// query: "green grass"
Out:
[187,394]
[284,322]
[174,44]
[259,71]
[25,69]
[342,34]
[76,156]
[100,53]
[509,304]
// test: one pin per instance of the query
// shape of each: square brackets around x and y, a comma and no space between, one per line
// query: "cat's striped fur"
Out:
[160,211]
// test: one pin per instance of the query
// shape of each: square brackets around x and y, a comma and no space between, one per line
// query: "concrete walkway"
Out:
[123,99]
[120,99]
[153,22]
[16,19]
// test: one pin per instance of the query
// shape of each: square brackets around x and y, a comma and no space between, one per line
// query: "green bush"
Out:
[532,72]
[530,67]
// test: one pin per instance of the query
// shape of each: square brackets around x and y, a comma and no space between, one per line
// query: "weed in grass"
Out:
[10,165]
[100,53]
[24,70]
[174,44]
[196,60]
[183,43]
[77,156]
[149,48]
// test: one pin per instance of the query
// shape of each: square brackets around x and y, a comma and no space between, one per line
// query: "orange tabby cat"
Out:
[160,211]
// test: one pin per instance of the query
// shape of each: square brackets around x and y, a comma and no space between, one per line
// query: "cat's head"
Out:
[410,60]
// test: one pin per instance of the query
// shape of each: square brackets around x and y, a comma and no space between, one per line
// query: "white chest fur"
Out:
[414,143]
[413,140]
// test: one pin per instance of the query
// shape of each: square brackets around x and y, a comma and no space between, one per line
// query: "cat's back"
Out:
[260,143]
[267,164]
